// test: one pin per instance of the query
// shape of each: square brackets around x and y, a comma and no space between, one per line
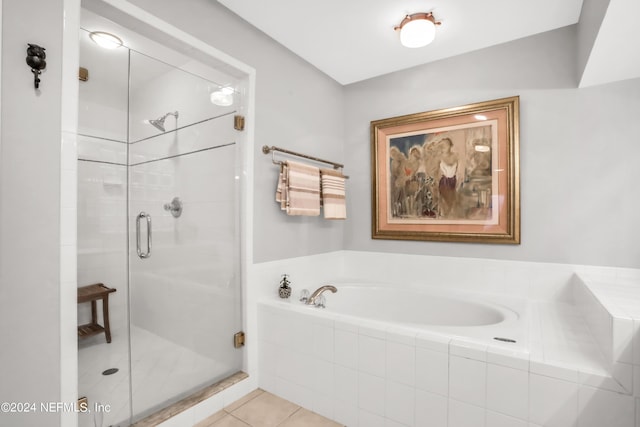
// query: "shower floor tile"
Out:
[263,409]
[162,370]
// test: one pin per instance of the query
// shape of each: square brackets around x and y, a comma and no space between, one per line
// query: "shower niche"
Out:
[156,129]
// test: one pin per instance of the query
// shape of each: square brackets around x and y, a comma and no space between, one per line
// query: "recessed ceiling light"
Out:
[105,40]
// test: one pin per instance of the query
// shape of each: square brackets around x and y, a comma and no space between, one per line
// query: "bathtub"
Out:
[381,354]
[485,319]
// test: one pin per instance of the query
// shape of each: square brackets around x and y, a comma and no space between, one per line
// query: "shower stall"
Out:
[159,184]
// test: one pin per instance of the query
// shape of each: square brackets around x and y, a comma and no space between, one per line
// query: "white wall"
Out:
[297,107]
[576,145]
[31,247]
[591,17]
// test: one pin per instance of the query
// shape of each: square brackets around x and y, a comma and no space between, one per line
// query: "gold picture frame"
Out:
[448,175]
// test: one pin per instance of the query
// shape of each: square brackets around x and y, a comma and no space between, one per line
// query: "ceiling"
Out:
[353,40]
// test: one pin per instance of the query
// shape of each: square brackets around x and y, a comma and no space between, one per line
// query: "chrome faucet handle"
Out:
[320,301]
[304,295]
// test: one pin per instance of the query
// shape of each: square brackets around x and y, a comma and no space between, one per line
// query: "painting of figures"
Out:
[444,176]
[448,174]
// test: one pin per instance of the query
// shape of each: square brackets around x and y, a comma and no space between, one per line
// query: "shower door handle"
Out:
[141,254]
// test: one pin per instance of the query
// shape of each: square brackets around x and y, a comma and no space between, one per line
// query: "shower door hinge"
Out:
[238,339]
[83,74]
[238,122]
[83,404]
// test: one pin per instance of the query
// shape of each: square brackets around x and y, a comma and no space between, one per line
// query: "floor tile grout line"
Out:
[246,423]
[290,415]
[250,400]
[242,421]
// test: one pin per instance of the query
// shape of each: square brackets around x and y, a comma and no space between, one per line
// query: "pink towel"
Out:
[333,194]
[281,190]
[299,189]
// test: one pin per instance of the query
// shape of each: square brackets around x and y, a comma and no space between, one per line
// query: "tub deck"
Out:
[557,341]
[349,369]
[562,346]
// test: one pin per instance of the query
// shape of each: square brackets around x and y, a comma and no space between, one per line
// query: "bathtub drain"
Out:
[110,371]
[504,339]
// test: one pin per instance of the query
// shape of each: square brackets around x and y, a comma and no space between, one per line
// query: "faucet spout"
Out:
[312,299]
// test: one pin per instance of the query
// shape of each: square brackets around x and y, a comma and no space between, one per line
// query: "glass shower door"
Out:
[103,367]
[183,233]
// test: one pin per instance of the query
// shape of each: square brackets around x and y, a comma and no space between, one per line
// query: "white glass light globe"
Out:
[417,33]
[105,40]
[222,98]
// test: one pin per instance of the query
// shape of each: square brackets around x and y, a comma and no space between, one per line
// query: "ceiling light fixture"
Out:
[223,96]
[418,29]
[106,40]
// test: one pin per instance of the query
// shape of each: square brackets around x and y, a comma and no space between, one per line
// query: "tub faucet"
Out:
[312,299]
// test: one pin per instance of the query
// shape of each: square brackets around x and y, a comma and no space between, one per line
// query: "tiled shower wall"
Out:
[102,225]
[102,178]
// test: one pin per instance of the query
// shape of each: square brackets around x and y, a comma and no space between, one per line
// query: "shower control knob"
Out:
[175,207]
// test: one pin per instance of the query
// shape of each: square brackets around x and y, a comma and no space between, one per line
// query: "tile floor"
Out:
[263,409]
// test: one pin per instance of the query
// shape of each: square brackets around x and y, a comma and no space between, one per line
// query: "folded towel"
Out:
[302,187]
[281,190]
[333,194]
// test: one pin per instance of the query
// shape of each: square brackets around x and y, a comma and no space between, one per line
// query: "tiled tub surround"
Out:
[362,373]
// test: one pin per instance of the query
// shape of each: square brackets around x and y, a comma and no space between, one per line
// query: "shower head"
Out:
[159,122]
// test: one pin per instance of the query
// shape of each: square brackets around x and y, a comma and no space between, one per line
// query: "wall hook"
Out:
[35,60]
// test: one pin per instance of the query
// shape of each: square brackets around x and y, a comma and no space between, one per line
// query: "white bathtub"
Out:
[487,319]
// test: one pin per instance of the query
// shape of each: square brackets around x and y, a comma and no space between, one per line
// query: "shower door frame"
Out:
[148,25]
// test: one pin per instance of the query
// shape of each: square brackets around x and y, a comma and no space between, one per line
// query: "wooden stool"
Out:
[93,293]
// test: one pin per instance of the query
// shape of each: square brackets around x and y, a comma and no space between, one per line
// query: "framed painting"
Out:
[448,175]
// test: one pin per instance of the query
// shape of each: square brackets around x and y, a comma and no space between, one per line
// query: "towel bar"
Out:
[266,150]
